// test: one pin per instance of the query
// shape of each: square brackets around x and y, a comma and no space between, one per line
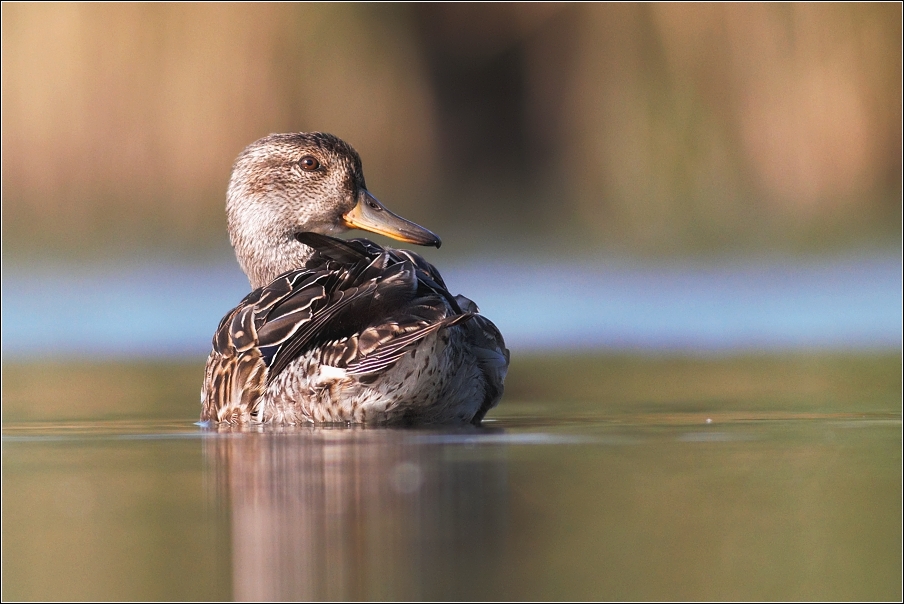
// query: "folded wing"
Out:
[359,306]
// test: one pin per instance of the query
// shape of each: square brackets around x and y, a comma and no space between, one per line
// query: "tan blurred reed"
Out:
[637,128]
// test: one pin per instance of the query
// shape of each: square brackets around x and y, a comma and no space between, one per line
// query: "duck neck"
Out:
[263,259]
[265,246]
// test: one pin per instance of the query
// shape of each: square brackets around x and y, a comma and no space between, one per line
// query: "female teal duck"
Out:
[335,330]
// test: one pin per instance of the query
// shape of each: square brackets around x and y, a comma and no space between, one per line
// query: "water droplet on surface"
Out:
[406,477]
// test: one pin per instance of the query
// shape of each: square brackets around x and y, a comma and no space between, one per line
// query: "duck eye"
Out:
[309,163]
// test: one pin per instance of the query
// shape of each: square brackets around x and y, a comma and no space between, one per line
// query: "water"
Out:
[165,310]
[600,477]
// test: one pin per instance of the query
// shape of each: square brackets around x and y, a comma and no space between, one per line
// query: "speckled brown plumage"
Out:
[339,331]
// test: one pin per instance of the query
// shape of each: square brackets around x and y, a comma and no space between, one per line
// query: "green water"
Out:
[604,478]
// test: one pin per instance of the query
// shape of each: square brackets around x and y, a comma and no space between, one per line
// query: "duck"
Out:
[339,331]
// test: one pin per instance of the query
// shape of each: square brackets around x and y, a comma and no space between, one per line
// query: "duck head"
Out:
[284,184]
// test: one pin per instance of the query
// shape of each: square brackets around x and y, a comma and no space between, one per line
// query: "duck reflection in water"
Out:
[360,513]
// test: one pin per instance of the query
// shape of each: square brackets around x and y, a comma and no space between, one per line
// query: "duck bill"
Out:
[371,215]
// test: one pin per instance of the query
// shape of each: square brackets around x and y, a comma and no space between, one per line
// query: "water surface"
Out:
[848,302]
[597,478]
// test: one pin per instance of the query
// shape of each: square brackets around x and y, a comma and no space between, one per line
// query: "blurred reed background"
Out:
[637,130]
